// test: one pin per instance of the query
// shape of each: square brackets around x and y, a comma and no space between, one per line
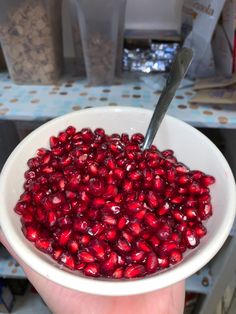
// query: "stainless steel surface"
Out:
[178,69]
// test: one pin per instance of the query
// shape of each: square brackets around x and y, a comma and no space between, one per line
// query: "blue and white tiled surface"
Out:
[45,102]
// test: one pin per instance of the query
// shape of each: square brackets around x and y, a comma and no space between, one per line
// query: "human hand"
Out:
[62,300]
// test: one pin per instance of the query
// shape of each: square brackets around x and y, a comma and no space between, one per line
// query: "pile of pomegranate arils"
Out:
[99,204]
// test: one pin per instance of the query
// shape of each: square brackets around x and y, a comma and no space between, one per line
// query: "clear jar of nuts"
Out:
[101,23]
[31,38]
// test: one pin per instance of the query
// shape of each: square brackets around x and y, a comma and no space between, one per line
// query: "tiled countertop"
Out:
[45,102]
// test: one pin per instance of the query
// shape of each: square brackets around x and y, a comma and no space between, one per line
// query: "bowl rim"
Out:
[112,287]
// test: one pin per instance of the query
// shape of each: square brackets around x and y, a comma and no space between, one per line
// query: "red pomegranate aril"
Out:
[92,270]
[118,273]
[191,213]
[122,222]
[200,230]
[194,188]
[106,208]
[98,202]
[138,256]
[155,242]
[207,180]
[135,228]
[140,214]
[110,191]
[110,263]
[134,206]
[80,225]
[123,245]
[205,211]
[151,263]
[171,175]
[85,239]
[137,138]
[178,199]
[109,219]
[111,235]
[44,245]
[64,237]
[143,246]
[86,257]
[175,257]
[152,199]
[31,232]
[98,249]
[67,260]
[134,271]
[119,173]
[97,229]
[191,238]
[151,220]
[127,236]
[56,253]
[163,262]
[73,246]
[127,186]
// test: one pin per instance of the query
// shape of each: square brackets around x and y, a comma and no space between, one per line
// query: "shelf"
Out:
[20,102]
[9,268]
[29,303]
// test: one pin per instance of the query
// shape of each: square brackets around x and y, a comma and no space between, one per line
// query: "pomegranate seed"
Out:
[110,191]
[191,238]
[138,256]
[85,239]
[175,256]
[111,235]
[97,229]
[134,271]
[143,246]
[137,138]
[135,175]
[158,184]
[135,228]
[205,211]
[152,199]
[98,249]
[119,173]
[127,186]
[123,245]
[67,260]
[110,264]
[64,237]
[151,263]
[163,262]
[73,246]
[92,270]
[86,257]
[200,230]
[118,273]
[80,225]
[122,222]
[151,220]
[191,213]
[127,236]
[31,233]
[109,220]
[44,245]
[207,180]
[155,242]
[164,232]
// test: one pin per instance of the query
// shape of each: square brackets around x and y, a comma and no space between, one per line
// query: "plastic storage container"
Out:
[76,34]
[2,61]
[31,38]
[101,24]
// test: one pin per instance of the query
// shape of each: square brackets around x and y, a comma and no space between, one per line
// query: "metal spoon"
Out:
[178,69]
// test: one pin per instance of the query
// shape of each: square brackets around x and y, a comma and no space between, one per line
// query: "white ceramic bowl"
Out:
[190,146]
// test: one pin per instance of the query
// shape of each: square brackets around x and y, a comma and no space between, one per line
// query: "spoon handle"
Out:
[178,69]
